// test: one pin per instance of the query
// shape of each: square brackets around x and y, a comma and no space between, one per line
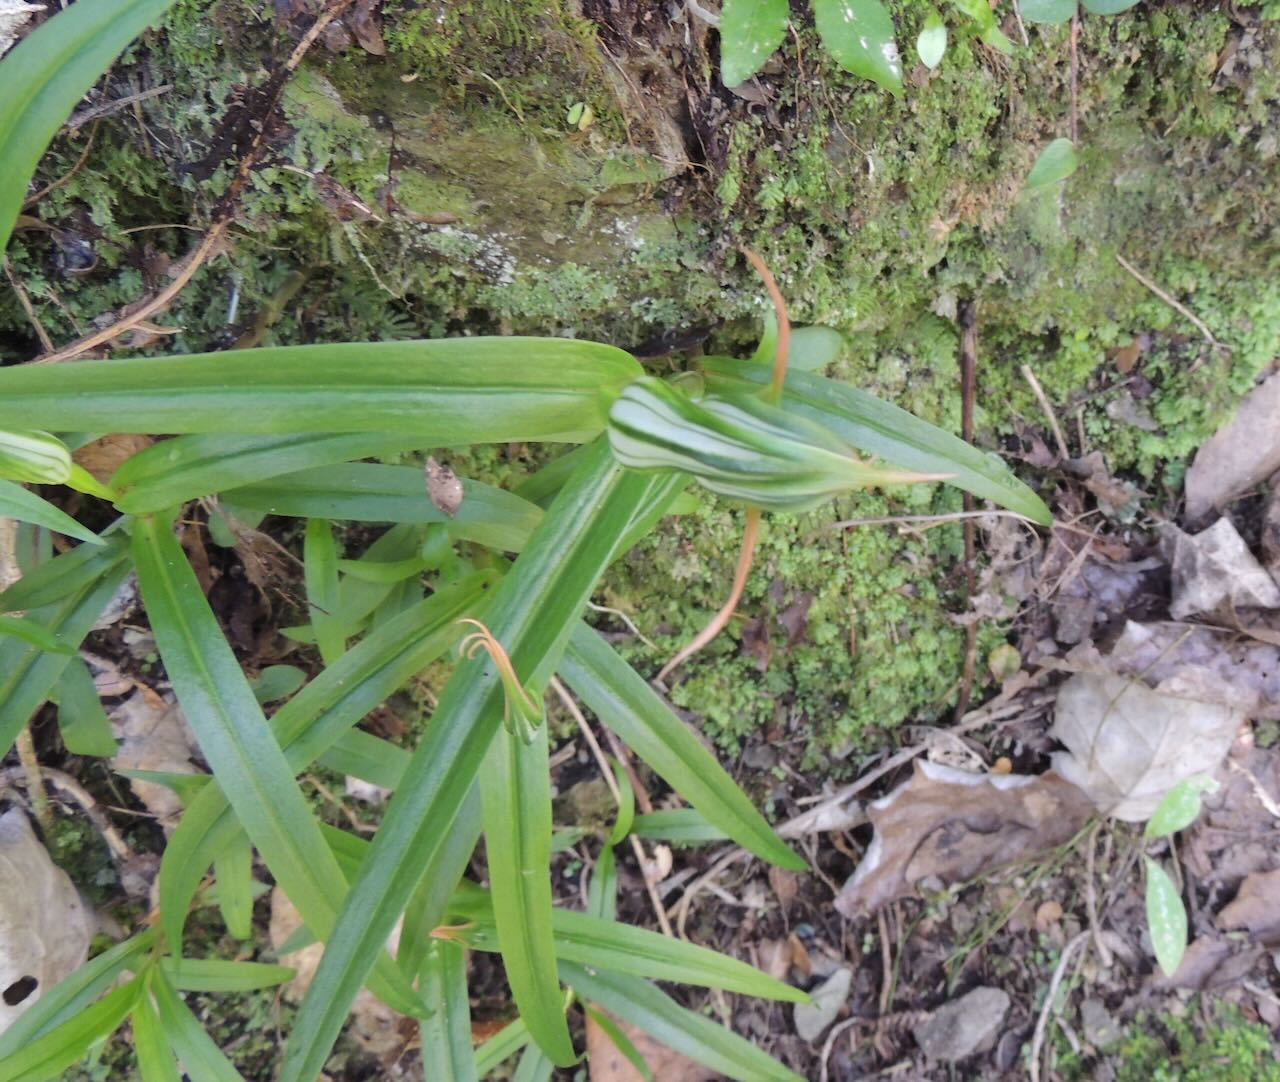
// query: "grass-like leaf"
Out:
[453,391]
[310,723]
[320,574]
[28,674]
[515,790]
[446,1035]
[57,579]
[17,503]
[202,1059]
[84,725]
[74,993]
[47,1056]
[621,699]
[900,438]
[222,974]
[174,471]
[605,944]
[366,492]
[533,610]
[33,634]
[642,1005]
[680,826]
[155,1058]
[233,879]
[238,744]
[620,1041]
[44,78]
[502,1045]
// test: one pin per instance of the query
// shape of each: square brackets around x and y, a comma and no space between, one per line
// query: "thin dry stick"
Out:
[830,1043]
[32,200]
[119,848]
[696,887]
[1075,78]
[79,120]
[1091,901]
[1042,1023]
[1052,418]
[46,342]
[968,378]
[602,760]
[1175,305]
[30,763]
[909,520]
[147,307]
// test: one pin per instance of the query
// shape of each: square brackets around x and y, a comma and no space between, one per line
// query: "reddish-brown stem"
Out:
[784,324]
[749,534]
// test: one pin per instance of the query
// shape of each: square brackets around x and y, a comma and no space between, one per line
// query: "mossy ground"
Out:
[876,213]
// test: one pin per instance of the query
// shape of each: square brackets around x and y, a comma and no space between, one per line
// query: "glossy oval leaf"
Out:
[750,30]
[44,77]
[1179,807]
[1048,11]
[859,34]
[876,427]
[17,503]
[1056,162]
[931,45]
[1166,918]
[452,391]
[621,699]
[532,613]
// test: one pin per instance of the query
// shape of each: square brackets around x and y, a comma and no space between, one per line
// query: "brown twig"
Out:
[968,318]
[223,217]
[642,858]
[32,200]
[784,323]
[23,299]
[1075,78]
[1046,1012]
[1182,310]
[1050,416]
[79,120]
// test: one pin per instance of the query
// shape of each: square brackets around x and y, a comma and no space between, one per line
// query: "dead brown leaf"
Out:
[103,456]
[606,1064]
[1241,454]
[153,735]
[1128,745]
[948,826]
[1255,908]
[1215,573]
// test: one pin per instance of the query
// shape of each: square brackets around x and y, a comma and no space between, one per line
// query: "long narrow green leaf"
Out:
[310,723]
[65,574]
[532,613]
[233,879]
[74,993]
[47,1056]
[533,1066]
[222,974]
[17,503]
[621,1042]
[367,757]
[624,702]
[502,1045]
[446,1035]
[877,428]
[201,1057]
[82,721]
[238,744]
[171,472]
[320,573]
[645,1007]
[680,826]
[33,634]
[47,74]
[605,944]
[515,790]
[28,674]
[155,1057]
[455,391]
[365,492]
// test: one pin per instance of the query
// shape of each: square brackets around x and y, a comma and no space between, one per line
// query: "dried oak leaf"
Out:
[1242,453]
[1255,908]
[153,735]
[1214,571]
[948,826]
[1128,745]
